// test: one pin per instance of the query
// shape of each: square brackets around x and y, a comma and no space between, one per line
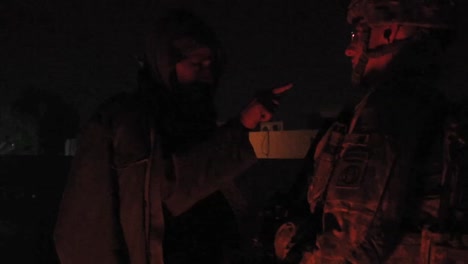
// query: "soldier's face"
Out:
[196,67]
[379,37]
[356,45]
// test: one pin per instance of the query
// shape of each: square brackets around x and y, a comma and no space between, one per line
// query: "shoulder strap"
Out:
[154,218]
[454,179]
[325,157]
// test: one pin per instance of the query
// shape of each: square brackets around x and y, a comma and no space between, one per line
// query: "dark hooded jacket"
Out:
[139,154]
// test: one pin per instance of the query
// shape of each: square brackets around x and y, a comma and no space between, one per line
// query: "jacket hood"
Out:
[173,36]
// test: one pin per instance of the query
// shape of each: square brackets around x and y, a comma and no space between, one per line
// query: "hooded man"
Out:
[154,152]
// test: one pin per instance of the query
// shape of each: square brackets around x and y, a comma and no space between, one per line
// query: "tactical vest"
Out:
[357,180]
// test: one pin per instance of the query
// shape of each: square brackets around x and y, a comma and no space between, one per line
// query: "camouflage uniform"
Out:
[388,183]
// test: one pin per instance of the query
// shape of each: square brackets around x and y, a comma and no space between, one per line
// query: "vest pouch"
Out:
[325,156]
[438,248]
[354,159]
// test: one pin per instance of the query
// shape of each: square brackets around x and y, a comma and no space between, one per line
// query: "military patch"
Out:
[352,167]
[350,177]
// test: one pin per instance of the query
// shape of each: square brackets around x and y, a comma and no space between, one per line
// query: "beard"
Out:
[193,116]
[194,103]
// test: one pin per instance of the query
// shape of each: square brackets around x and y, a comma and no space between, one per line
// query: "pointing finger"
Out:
[282,89]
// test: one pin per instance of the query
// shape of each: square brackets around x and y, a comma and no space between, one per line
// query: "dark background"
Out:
[60,59]
[86,50]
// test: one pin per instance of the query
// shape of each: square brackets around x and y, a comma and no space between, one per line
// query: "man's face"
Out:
[196,67]
[379,37]
[194,90]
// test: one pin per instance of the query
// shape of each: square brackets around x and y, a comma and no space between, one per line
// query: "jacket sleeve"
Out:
[87,230]
[207,166]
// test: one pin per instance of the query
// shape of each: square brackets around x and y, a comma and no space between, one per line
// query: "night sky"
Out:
[85,51]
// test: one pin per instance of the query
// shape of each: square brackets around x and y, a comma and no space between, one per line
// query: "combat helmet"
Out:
[424,14]
[419,13]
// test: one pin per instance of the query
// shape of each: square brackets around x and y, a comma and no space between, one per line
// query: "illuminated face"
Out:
[379,36]
[196,67]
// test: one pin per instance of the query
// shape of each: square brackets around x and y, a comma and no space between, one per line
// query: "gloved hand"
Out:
[263,106]
[296,238]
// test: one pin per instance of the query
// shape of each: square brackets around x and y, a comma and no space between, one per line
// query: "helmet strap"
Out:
[359,69]
[387,49]
[392,47]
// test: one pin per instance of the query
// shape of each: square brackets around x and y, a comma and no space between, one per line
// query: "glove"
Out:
[263,106]
[296,238]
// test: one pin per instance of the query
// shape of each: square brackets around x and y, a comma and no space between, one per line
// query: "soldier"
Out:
[387,182]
